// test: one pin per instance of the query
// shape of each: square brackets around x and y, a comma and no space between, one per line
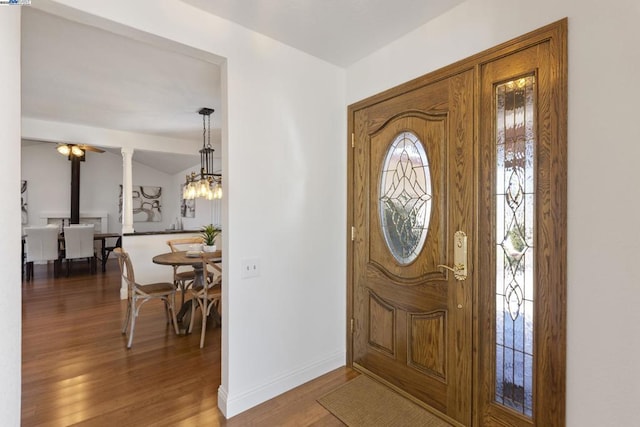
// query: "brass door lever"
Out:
[459,268]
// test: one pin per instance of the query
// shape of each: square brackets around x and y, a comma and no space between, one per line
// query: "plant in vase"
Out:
[209,234]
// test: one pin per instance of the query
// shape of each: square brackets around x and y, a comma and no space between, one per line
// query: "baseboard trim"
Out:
[223,397]
[233,405]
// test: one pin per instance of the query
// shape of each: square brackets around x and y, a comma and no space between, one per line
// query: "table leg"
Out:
[104,255]
[185,310]
[184,317]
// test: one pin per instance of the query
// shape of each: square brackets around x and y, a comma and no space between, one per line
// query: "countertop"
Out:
[153,233]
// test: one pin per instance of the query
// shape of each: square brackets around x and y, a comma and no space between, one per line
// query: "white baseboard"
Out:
[223,397]
[233,405]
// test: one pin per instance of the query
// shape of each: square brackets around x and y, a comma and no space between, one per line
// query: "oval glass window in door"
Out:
[405,197]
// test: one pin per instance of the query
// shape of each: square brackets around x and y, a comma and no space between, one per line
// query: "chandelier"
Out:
[206,185]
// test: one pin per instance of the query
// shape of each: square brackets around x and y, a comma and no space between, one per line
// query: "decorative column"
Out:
[127,204]
[127,190]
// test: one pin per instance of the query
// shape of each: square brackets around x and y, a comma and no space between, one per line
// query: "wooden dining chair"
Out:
[138,294]
[207,296]
[183,275]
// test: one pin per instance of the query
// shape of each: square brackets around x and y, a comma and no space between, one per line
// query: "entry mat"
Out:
[364,402]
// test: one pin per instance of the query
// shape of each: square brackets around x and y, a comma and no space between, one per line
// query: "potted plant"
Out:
[209,234]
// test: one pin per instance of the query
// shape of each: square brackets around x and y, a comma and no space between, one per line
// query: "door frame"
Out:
[555,198]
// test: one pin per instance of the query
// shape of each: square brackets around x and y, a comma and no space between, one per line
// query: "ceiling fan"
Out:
[76,154]
[76,150]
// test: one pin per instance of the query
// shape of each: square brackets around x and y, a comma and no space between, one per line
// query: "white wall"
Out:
[284,157]
[11,329]
[147,176]
[603,373]
[48,176]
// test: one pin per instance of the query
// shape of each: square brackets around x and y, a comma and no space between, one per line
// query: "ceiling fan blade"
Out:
[90,148]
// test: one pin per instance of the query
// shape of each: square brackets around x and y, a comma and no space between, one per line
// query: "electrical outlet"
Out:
[250,268]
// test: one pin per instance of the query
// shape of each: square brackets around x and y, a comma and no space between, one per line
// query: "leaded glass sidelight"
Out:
[405,197]
[515,232]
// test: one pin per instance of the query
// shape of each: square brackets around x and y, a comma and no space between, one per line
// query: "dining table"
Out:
[102,237]
[192,258]
[98,237]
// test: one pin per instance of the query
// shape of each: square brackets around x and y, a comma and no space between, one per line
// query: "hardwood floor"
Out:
[76,369]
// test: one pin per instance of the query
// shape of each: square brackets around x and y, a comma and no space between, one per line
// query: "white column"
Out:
[127,204]
[127,187]
[10,335]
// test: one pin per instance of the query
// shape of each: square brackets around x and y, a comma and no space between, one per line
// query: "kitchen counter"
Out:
[153,233]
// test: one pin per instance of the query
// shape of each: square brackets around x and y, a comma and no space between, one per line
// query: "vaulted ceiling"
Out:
[338,31]
[81,74]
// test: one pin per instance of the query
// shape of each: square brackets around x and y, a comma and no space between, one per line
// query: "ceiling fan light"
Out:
[64,150]
[77,151]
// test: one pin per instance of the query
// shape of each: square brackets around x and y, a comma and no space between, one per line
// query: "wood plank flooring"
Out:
[76,369]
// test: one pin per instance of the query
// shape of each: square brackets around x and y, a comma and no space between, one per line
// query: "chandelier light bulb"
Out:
[217,191]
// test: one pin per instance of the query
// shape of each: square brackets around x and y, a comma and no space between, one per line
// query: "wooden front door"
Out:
[413,190]
[442,177]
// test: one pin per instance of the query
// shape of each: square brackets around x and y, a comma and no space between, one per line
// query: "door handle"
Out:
[459,268]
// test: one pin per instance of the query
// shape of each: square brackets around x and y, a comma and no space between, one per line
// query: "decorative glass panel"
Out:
[515,232]
[405,197]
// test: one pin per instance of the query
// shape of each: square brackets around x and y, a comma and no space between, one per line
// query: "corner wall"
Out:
[11,329]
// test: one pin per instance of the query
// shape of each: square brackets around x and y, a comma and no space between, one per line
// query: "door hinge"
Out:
[351,325]
[353,140]
[353,233]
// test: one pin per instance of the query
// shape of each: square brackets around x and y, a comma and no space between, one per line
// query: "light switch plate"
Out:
[250,267]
